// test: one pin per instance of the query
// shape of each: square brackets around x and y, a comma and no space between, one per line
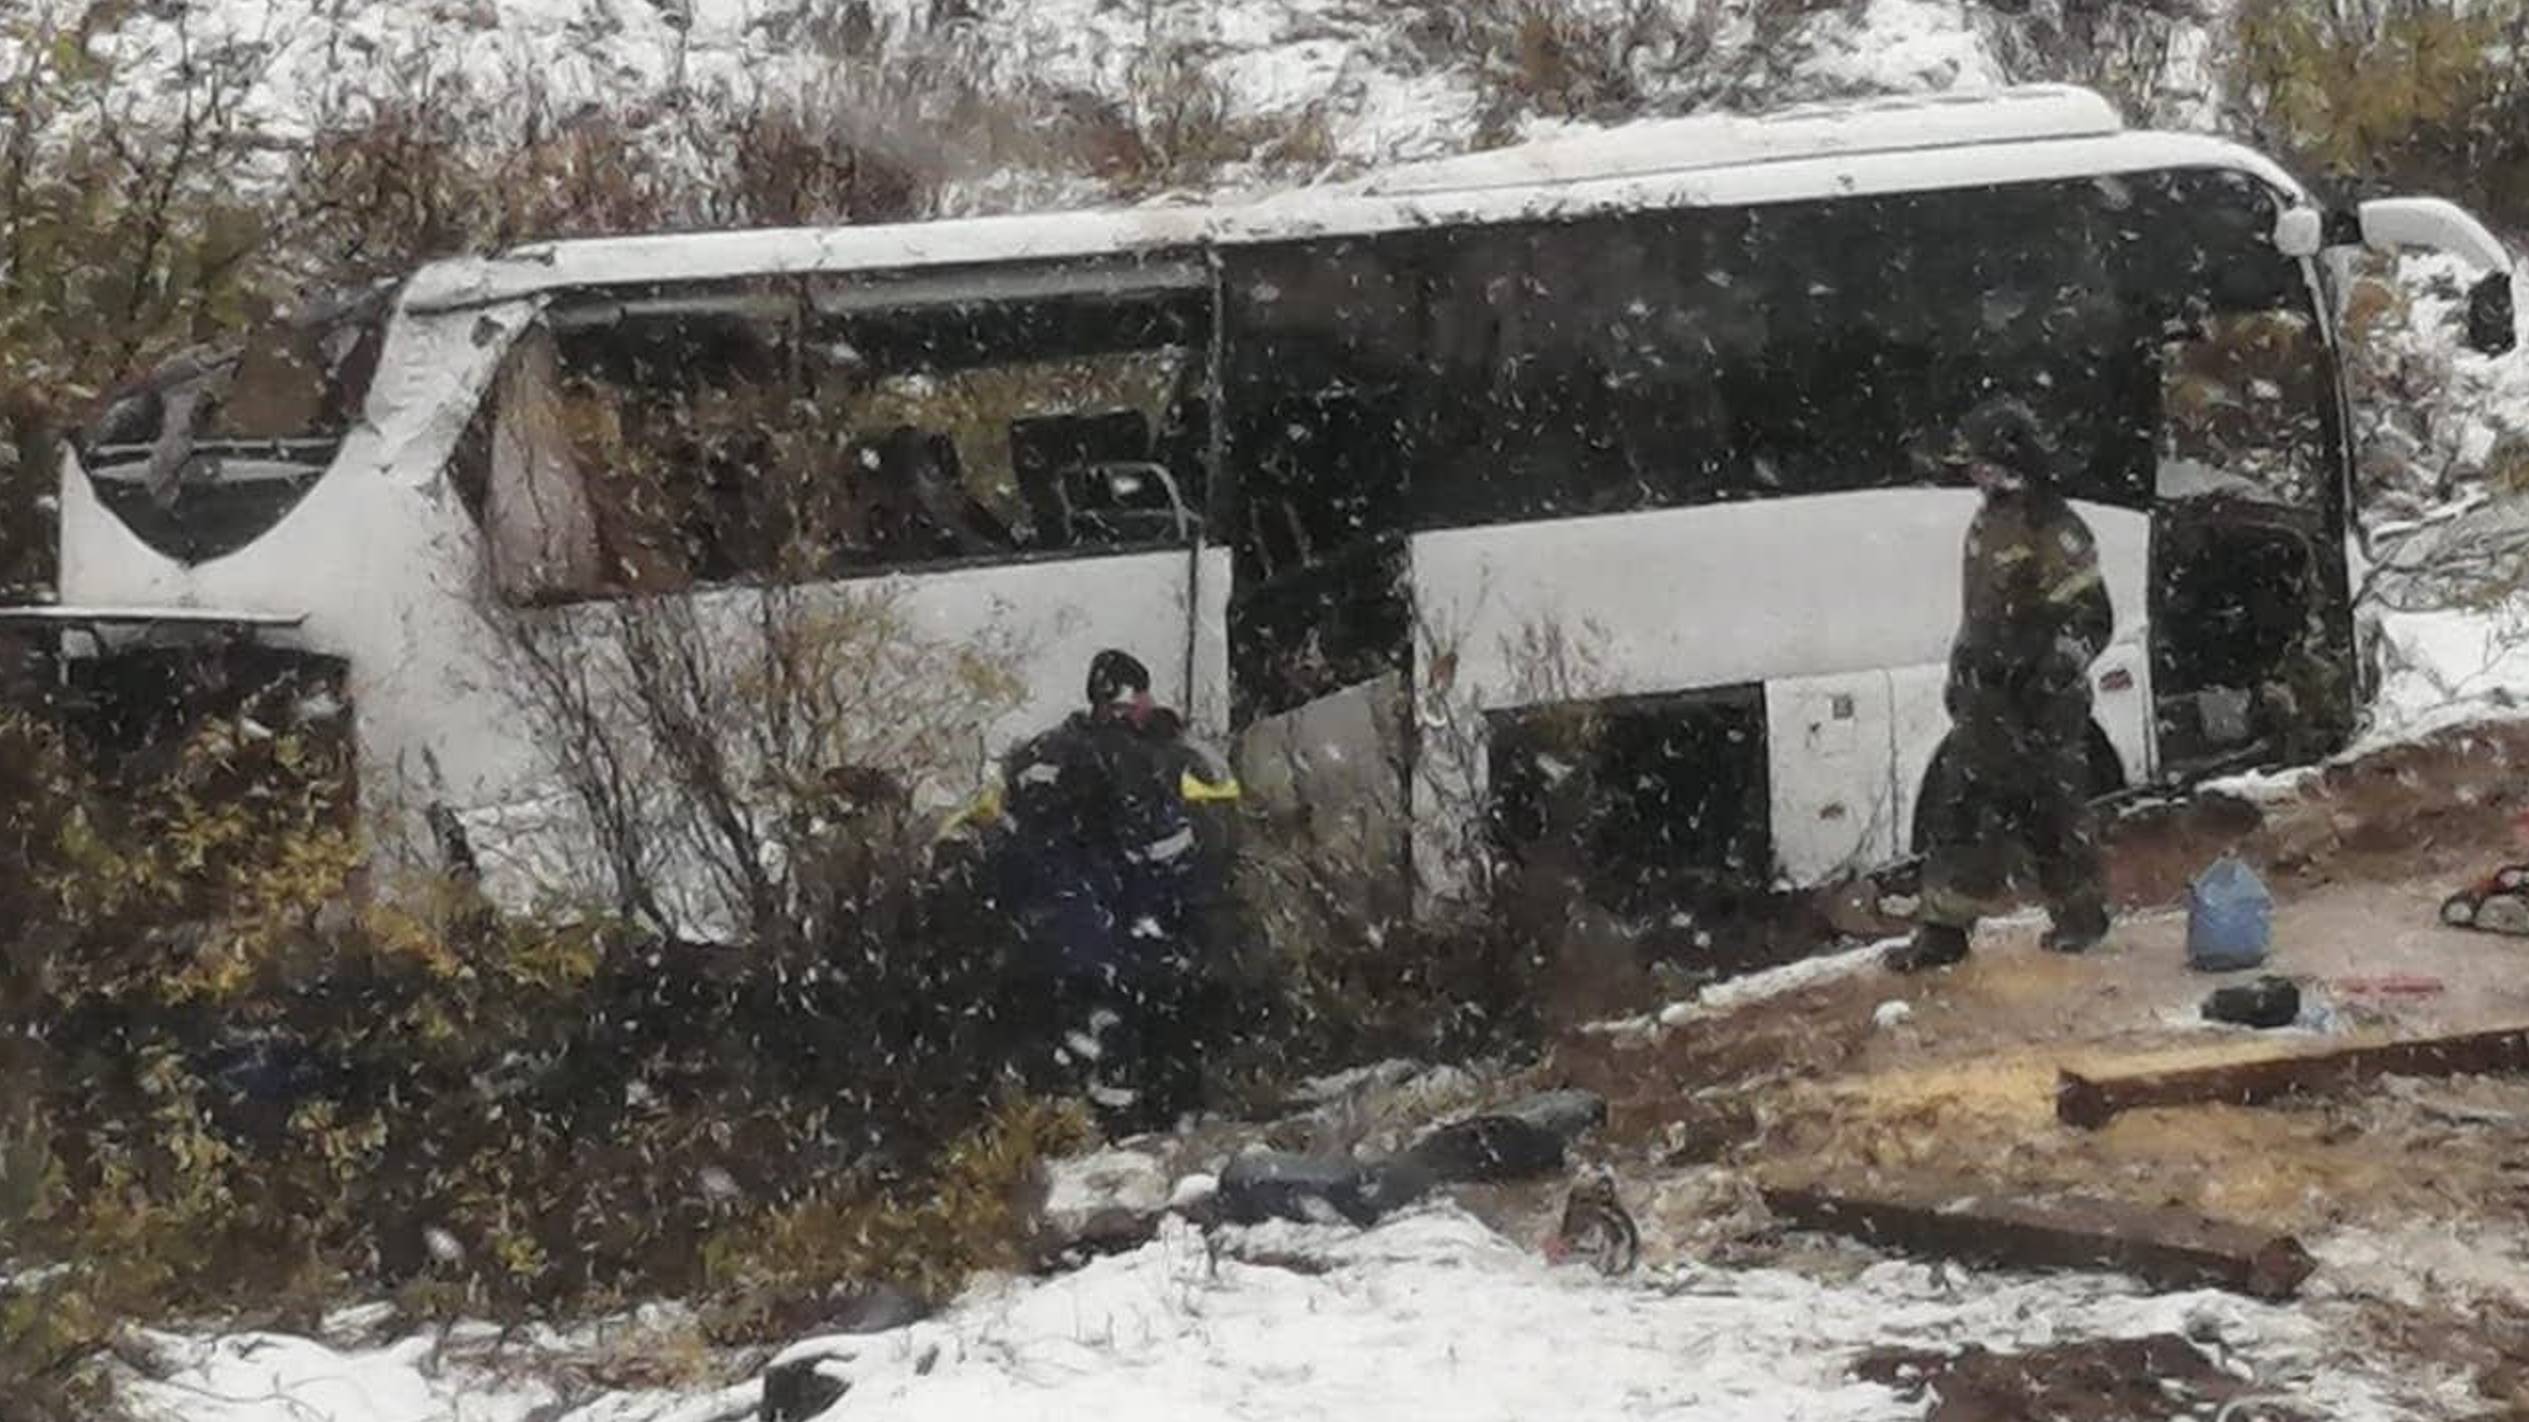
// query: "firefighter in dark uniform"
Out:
[2035,615]
[1107,868]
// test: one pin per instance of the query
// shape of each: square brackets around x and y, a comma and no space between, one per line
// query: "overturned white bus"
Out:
[1383,480]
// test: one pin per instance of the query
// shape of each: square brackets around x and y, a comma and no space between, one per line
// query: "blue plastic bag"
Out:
[2230,918]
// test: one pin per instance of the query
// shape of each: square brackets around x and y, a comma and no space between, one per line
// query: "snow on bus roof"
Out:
[1912,122]
[2027,134]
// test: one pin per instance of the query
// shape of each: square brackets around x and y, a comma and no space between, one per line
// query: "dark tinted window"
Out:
[1657,359]
[1323,393]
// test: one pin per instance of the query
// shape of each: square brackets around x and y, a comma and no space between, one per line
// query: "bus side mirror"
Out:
[2385,224]
[2492,320]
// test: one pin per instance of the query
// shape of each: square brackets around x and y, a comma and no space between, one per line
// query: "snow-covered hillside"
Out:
[1382,81]
[1431,1316]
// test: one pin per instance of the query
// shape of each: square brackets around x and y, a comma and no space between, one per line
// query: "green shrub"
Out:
[2418,94]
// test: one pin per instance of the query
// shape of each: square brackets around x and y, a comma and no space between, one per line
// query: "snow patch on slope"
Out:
[1901,46]
[1429,1316]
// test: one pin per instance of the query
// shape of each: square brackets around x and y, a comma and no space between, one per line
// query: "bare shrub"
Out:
[791,166]
[707,742]
[250,1089]
[2124,49]
[772,1274]
[1174,127]
[417,181]
[120,244]
[1561,61]
[1180,119]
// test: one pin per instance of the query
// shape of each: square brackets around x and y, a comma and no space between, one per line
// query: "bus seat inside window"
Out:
[792,431]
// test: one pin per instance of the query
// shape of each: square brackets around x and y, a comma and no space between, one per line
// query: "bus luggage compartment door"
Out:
[1834,802]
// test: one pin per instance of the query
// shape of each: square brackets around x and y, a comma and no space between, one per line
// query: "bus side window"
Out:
[652,441]
[2243,411]
[209,451]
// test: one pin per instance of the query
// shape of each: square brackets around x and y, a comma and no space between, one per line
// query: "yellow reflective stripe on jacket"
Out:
[983,809]
[1201,791]
[2075,583]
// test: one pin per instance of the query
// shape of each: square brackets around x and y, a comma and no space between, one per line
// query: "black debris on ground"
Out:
[2161,1378]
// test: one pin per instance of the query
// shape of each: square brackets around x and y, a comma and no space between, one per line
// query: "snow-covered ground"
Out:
[2450,666]
[1429,1316]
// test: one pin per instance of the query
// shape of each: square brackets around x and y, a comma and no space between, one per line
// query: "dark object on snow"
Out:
[1597,1227]
[2169,1249]
[2493,320]
[1933,945]
[1274,1185]
[2092,1100]
[795,1391]
[456,848]
[877,1308]
[1570,1113]
[2268,1002]
[2162,1375]
[1483,1149]
[2497,903]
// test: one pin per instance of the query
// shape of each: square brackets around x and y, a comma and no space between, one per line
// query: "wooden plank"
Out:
[2169,1249]
[2092,1099]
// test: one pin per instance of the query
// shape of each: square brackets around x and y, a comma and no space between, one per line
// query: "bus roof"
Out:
[1911,123]
[2029,133]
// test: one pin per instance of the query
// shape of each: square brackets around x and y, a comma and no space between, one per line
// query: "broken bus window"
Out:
[811,430]
[210,450]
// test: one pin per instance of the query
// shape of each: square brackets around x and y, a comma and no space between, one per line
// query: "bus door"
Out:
[1319,632]
[2252,625]
[1317,374]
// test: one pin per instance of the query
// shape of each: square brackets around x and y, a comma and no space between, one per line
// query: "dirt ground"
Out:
[2110,1380]
[2414,1193]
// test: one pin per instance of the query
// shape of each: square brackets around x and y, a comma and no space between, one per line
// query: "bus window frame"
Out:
[935,291]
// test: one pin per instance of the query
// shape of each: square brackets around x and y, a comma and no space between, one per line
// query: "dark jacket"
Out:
[1100,855]
[2035,614]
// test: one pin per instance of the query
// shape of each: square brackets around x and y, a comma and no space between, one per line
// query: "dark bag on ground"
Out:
[2267,1002]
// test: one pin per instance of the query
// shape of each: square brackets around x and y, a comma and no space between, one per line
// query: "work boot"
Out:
[2076,930]
[1934,945]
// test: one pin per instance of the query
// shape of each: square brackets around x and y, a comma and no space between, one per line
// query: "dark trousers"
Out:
[1133,1046]
[2008,792]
